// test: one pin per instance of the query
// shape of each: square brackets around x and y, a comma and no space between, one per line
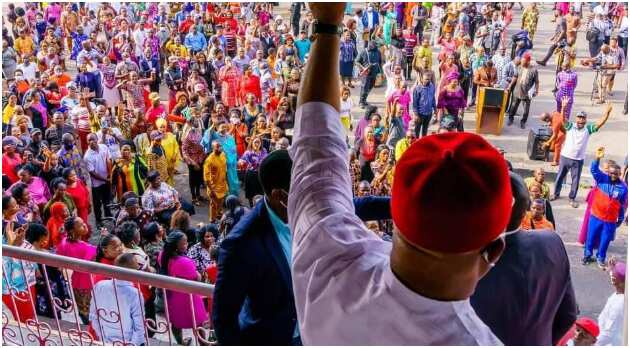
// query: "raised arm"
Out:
[602,121]
[319,84]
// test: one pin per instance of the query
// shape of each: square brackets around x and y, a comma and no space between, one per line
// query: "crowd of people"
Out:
[106,106]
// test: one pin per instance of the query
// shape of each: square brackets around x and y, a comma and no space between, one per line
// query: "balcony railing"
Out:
[65,327]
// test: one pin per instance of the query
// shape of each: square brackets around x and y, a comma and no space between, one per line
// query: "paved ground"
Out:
[591,284]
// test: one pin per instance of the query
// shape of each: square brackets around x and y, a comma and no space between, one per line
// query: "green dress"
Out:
[389,26]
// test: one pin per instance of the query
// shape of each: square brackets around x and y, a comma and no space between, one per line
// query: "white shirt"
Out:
[111,141]
[103,303]
[97,162]
[346,108]
[577,140]
[345,291]
[28,71]
[610,322]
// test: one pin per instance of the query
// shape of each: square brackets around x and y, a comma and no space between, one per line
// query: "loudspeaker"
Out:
[537,137]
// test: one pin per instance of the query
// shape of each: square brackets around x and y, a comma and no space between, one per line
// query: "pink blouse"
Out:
[79,250]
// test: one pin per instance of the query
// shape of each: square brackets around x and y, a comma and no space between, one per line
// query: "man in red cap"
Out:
[583,333]
[451,201]
[525,88]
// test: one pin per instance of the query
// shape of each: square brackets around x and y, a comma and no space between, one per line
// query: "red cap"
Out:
[451,193]
[527,56]
[589,325]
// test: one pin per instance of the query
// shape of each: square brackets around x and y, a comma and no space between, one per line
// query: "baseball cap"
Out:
[71,85]
[35,131]
[581,114]
[451,193]
[589,325]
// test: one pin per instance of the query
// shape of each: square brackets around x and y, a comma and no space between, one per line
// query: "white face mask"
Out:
[19,77]
[235,120]
[370,8]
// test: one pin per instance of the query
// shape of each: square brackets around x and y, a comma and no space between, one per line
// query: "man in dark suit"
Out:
[527,298]
[253,298]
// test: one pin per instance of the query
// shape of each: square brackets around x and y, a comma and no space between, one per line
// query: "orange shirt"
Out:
[557,126]
[529,223]
[61,80]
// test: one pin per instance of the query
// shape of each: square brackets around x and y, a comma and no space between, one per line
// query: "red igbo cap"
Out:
[451,193]
[527,56]
[589,325]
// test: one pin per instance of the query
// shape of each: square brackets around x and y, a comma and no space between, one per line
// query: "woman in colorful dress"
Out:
[446,68]
[530,20]
[566,82]
[228,144]
[174,262]
[134,92]
[194,156]
[402,97]
[250,84]
[110,92]
[348,54]
[451,101]
[382,170]
[252,159]
[171,149]
[251,110]
[129,173]
[239,131]
[80,195]
[74,245]
[230,78]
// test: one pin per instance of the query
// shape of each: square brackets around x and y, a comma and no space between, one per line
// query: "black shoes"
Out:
[587,260]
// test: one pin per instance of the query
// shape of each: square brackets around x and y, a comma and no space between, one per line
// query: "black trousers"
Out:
[593,47]
[195,179]
[101,199]
[422,125]
[566,165]
[408,67]
[552,48]
[368,84]
[515,103]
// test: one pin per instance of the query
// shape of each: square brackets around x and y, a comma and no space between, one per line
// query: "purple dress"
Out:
[566,82]
[453,102]
[179,308]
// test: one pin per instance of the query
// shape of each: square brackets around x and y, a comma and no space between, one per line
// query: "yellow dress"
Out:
[215,176]
[171,151]
[530,21]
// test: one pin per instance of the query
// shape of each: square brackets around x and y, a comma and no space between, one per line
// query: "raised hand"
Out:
[599,153]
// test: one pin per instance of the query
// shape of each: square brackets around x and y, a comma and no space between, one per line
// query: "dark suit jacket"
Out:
[253,298]
[527,298]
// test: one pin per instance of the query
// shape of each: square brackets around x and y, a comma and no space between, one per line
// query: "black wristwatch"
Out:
[323,28]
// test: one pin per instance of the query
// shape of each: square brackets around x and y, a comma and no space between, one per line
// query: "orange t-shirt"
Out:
[557,124]
[62,80]
[529,223]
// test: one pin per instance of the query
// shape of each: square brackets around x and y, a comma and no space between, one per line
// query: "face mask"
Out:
[235,120]
[370,8]
[19,78]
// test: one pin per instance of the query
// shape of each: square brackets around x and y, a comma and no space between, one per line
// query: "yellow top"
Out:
[7,113]
[215,174]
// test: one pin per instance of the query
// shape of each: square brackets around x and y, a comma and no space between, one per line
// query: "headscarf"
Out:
[453,75]
[55,224]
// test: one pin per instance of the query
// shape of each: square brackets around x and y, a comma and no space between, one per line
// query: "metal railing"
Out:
[65,328]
